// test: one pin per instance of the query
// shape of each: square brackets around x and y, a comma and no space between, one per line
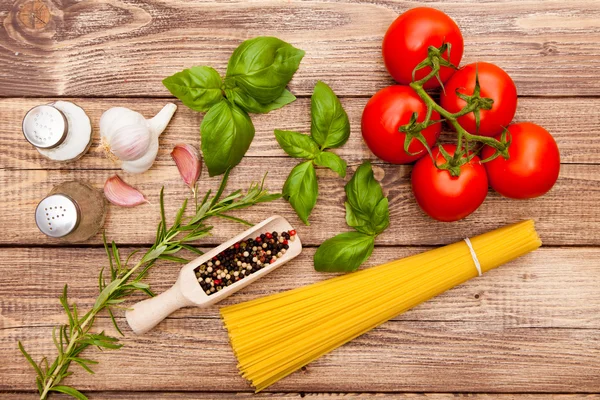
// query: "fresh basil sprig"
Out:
[367,212]
[257,74]
[330,128]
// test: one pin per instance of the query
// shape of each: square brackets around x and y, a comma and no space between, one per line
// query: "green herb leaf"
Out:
[329,126]
[381,216]
[249,103]
[331,161]
[199,88]
[226,133]
[297,145]
[70,391]
[37,369]
[344,252]
[301,189]
[262,67]
[363,191]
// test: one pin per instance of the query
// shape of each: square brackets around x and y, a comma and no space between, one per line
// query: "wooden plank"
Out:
[311,396]
[526,327]
[113,48]
[550,288]
[568,214]
[194,354]
[576,136]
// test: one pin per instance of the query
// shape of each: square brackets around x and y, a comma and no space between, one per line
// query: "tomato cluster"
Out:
[402,123]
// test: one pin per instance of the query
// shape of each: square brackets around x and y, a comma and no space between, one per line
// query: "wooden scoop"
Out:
[186,292]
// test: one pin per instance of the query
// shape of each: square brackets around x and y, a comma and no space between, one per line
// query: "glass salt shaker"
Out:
[60,131]
[72,211]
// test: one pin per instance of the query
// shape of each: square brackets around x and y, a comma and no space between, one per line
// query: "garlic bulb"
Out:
[129,137]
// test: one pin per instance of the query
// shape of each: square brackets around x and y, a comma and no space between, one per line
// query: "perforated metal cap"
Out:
[57,215]
[45,127]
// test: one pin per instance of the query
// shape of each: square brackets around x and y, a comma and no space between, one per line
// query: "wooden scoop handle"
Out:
[146,314]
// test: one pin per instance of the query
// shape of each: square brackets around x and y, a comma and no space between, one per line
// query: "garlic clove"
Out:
[122,194]
[129,142]
[188,163]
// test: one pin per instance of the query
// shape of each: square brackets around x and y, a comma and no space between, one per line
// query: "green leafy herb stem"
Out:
[121,280]
[330,128]
[368,213]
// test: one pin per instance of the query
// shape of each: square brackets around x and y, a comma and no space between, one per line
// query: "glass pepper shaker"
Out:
[72,211]
[60,131]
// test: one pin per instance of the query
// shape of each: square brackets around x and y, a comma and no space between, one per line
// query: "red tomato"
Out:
[384,113]
[443,196]
[533,166]
[407,41]
[495,84]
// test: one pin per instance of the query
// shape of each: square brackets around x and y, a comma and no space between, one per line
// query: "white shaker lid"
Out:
[57,215]
[45,127]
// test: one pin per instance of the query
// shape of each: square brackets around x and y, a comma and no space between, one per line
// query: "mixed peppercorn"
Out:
[242,259]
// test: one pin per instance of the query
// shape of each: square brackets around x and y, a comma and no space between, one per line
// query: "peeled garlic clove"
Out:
[129,142]
[121,194]
[188,163]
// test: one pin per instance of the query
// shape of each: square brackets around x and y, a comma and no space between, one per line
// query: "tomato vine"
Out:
[474,103]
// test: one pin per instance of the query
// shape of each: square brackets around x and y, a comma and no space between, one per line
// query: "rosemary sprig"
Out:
[121,280]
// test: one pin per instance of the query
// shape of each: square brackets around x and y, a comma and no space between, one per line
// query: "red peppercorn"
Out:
[237,245]
[268,235]
[272,261]
[285,242]
[292,232]
[217,281]
[258,239]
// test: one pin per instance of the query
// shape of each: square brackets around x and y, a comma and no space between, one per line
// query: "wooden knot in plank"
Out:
[34,14]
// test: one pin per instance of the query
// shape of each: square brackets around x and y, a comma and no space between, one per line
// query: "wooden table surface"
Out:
[528,330]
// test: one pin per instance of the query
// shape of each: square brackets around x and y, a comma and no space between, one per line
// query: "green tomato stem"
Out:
[452,119]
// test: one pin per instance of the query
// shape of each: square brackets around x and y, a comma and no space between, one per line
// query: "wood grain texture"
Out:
[576,135]
[568,214]
[117,48]
[194,354]
[549,288]
[526,326]
[311,396]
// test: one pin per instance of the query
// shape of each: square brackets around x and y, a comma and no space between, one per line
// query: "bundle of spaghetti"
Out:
[276,335]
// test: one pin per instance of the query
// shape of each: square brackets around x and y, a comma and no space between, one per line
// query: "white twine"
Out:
[474,256]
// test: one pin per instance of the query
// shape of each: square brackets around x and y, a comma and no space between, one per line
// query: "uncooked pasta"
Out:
[276,335]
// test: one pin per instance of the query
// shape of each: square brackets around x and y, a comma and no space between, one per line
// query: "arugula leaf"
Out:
[329,126]
[301,189]
[249,104]
[199,88]
[344,252]
[297,145]
[331,161]
[262,67]
[226,133]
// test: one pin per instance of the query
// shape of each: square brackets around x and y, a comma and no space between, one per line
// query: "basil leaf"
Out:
[199,88]
[249,104]
[262,67]
[226,133]
[301,189]
[331,161]
[296,144]
[381,216]
[329,126]
[358,222]
[344,252]
[363,191]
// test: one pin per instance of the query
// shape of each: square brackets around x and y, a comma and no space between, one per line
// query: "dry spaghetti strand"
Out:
[276,335]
